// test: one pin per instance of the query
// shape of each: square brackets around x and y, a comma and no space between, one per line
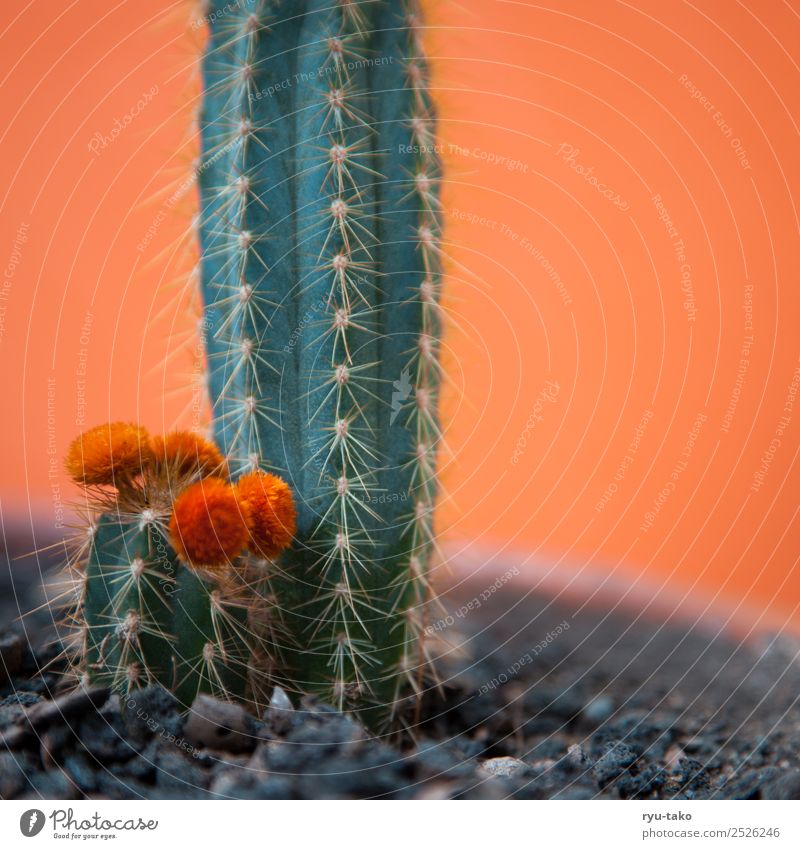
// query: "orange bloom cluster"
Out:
[209,526]
[115,453]
[212,522]
[109,454]
[273,517]
[182,452]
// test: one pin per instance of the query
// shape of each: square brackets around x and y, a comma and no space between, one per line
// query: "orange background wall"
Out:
[622,249]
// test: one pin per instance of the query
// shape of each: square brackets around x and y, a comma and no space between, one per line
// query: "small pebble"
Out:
[52,743]
[575,755]
[16,737]
[672,758]
[501,767]
[280,711]
[598,710]
[220,725]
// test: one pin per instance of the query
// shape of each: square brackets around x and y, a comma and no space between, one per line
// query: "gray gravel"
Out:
[610,708]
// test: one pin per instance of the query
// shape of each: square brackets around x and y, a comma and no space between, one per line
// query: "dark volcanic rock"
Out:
[615,760]
[67,707]
[783,786]
[14,769]
[12,653]
[151,710]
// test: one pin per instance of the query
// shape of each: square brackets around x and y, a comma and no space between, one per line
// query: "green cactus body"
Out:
[125,605]
[320,276]
[148,619]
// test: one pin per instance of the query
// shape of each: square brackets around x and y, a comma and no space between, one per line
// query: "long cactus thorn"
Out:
[413,20]
[415,73]
[133,676]
[128,628]
[416,570]
[340,263]
[336,98]
[354,16]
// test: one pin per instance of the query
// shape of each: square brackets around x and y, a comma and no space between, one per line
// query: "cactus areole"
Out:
[320,279]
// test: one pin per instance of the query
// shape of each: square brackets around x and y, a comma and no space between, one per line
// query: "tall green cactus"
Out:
[320,277]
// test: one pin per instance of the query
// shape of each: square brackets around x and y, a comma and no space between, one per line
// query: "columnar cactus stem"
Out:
[320,274]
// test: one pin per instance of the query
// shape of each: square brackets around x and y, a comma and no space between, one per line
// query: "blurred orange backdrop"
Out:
[622,251]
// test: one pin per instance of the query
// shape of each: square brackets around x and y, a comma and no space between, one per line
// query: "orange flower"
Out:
[273,517]
[209,525]
[185,453]
[109,454]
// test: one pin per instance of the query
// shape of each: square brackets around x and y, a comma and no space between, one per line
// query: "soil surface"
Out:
[540,700]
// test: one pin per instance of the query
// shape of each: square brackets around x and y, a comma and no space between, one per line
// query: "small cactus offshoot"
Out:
[165,593]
